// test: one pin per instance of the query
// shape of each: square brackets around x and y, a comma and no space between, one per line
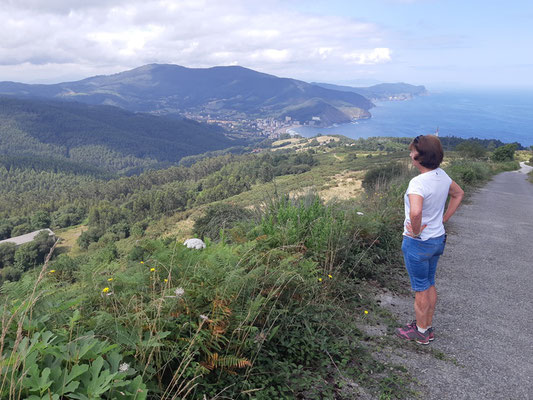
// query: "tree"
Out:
[504,153]
[26,256]
[40,220]
[7,254]
[471,149]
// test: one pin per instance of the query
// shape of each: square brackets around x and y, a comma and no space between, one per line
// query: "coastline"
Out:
[462,114]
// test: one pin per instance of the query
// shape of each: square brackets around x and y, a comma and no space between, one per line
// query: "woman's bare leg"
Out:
[422,308]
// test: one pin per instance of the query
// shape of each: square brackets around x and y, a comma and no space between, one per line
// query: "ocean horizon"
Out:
[502,115]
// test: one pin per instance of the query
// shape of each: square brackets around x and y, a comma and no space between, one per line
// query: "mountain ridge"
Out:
[229,91]
[382,91]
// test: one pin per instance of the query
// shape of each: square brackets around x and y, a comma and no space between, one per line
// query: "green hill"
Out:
[382,91]
[105,137]
[219,91]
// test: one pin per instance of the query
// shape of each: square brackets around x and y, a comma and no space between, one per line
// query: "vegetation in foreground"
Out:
[270,309]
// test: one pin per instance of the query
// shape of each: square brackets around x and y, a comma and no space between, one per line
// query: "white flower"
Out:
[204,317]
[179,292]
[360,213]
[124,367]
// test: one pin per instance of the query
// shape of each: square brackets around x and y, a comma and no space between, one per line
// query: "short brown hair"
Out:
[429,149]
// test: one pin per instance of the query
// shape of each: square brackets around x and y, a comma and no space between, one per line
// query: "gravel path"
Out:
[484,316]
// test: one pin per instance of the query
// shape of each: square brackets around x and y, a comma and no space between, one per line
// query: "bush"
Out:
[65,267]
[7,254]
[89,236]
[333,236]
[10,274]
[380,177]
[469,173]
[504,153]
[217,217]
[471,149]
[48,365]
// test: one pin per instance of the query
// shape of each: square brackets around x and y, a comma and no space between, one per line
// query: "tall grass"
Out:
[262,313]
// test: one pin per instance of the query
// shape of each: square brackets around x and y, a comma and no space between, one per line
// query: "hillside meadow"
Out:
[277,305]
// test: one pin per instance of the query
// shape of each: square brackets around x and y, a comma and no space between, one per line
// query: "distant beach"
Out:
[503,115]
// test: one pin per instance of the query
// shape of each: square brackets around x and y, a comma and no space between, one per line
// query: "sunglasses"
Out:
[416,139]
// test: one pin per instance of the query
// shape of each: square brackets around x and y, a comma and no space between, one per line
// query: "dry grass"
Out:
[179,225]
[294,143]
[69,236]
[345,185]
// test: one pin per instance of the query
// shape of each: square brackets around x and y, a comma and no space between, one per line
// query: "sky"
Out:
[438,43]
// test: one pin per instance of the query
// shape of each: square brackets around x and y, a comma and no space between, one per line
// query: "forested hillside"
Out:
[106,138]
[219,91]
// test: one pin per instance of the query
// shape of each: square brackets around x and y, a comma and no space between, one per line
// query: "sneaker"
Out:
[410,332]
[431,331]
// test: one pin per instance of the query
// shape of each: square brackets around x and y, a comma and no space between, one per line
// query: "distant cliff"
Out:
[382,91]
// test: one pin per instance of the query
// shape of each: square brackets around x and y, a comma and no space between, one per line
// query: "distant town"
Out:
[268,127]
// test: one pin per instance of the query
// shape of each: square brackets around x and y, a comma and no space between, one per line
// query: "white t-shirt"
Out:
[433,186]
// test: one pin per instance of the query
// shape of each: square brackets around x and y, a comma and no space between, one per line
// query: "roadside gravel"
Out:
[484,317]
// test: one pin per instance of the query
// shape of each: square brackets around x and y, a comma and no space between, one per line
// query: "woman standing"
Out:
[424,235]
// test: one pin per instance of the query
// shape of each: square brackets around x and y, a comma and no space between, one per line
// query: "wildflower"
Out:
[329,276]
[204,317]
[124,367]
[52,271]
[105,290]
[320,279]
[109,279]
[366,311]
[165,280]
[360,213]
[142,262]
[152,269]
[179,292]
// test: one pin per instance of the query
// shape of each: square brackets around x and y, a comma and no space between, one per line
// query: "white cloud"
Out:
[104,35]
[376,56]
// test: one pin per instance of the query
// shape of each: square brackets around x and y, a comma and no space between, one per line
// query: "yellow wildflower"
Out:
[320,279]
[329,276]
[52,271]
[142,262]
[366,312]
[109,279]
[152,269]
[105,290]
[165,280]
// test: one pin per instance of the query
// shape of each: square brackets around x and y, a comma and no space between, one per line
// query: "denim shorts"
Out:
[421,257]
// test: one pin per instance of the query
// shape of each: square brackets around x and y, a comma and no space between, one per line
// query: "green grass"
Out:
[272,310]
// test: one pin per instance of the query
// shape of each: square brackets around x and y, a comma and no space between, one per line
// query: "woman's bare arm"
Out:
[416,203]
[456,196]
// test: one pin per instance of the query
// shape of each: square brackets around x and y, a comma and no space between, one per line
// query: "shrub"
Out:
[380,177]
[471,149]
[504,153]
[467,173]
[10,273]
[89,236]
[48,365]
[7,254]
[217,217]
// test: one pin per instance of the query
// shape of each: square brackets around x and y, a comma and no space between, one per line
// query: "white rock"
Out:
[194,244]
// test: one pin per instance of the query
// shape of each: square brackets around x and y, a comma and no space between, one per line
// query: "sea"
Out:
[499,114]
